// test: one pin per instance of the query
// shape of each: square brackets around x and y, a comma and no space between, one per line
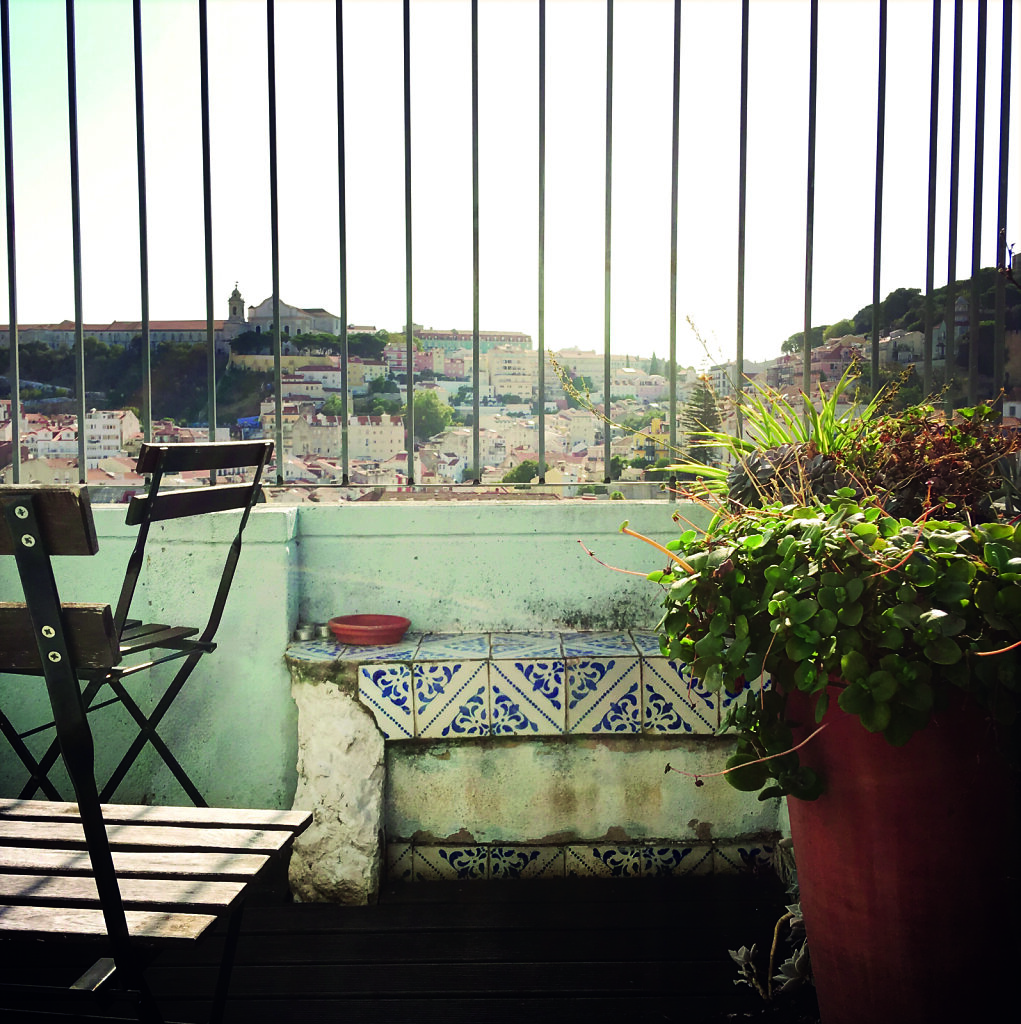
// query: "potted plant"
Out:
[858,595]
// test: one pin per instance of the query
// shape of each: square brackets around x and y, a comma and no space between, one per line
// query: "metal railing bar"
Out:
[950,355]
[541,330]
[476,458]
[976,208]
[409,330]
[742,204]
[930,235]
[274,235]
[12,276]
[877,239]
[1001,197]
[207,222]
[813,80]
[143,224]
[76,238]
[345,376]
[675,146]
[607,224]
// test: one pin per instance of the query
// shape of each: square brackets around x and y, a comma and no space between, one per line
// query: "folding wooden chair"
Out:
[160,642]
[132,878]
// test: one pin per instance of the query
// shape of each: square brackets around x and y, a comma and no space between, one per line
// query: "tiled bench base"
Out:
[422,863]
[578,699]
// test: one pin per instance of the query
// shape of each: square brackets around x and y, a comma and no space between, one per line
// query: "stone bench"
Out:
[499,755]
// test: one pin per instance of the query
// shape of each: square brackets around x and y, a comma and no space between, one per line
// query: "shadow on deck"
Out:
[647,951]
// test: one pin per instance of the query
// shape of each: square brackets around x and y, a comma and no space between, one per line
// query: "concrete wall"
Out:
[448,567]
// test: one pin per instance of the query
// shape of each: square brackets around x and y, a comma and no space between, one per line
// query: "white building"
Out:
[293,319]
[512,371]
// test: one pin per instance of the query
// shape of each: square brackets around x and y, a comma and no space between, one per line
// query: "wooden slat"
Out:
[65,518]
[193,501]
[187,895]
[163,837]
[88,628]
[179,458]
[74,921]
[225,817]
[162,636]
[129,863]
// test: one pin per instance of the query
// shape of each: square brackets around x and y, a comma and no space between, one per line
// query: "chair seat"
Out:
[178,868]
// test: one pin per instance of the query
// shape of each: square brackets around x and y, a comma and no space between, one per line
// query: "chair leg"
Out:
[49,759]
[147,734]
[38,778]
[227,963]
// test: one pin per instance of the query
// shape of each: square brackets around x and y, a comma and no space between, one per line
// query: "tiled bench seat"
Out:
[448,686]
[416,741]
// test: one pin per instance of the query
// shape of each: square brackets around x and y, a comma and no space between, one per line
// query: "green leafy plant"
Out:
[888,593]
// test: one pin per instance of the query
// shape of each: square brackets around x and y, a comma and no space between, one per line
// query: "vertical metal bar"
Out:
[674,171]
[409,331]
[974,318]
[14,371]
[950,365]
[813,80]
[542,242]
[877,242]
[607,225]
[274,235]
[143,226]
[76,239]
[1001,197]
[207,208]
[930,236]
[345,453]
[742,202]
[476,459]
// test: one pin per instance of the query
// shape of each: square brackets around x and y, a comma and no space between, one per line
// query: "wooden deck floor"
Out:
[641,951]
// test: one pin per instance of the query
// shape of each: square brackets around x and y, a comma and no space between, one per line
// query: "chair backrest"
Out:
[63,526]
[158,505]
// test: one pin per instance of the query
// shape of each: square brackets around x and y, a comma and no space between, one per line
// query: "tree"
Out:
[431,415]
[838,330]
[795,342]
[523,473]
[383,386]
[699,415]
[333,406]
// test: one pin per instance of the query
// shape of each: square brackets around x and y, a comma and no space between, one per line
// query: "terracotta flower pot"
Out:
[908,870]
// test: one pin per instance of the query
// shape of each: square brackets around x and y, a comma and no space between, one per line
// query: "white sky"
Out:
[441,110]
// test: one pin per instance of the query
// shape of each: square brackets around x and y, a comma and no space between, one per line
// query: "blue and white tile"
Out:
[435,863]
[742,858]
[321,649]
[676,704]
[451,699]
[647,642]
[402,651]
[528,698]
[522,646]
[453,647]
[399,862]
[597,645]
[601,861]
[663,859]
[526,862]
[604,695]
[385,689]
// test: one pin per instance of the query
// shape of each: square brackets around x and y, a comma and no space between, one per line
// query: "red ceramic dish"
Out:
[369,629]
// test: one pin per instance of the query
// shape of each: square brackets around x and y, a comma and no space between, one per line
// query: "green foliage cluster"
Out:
[523,473]
[891,593]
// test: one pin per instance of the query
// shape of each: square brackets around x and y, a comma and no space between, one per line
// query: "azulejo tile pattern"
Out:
[427,862]
[462,685]
[451,699]
[385,689]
